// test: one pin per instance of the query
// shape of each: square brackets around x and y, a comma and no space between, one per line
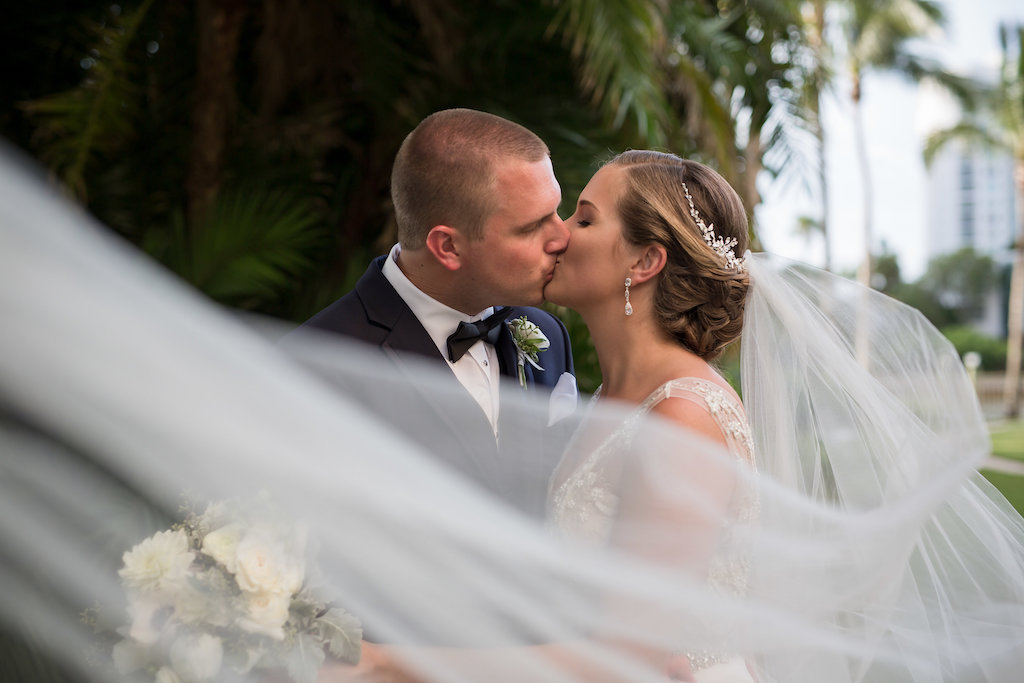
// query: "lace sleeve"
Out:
[725,409]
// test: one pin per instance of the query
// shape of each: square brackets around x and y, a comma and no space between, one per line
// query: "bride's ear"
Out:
[650,261]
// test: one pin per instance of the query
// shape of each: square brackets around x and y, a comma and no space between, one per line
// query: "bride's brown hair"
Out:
[699,298]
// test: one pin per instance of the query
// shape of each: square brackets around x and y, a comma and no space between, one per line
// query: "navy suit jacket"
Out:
[374,313]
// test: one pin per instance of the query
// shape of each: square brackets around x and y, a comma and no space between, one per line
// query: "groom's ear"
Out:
[443,242]
[649,262]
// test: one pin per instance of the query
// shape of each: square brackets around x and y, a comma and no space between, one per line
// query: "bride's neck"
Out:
[636,356]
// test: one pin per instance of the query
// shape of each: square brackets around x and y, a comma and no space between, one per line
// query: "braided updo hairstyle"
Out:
[699,299]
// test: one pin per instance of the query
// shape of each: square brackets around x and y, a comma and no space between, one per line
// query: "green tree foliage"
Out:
[951,293]
[961,281]
[991,350]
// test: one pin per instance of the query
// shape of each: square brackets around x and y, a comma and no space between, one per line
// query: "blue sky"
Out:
[896,115]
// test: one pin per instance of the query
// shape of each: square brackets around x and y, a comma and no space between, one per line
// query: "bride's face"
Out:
[592,270]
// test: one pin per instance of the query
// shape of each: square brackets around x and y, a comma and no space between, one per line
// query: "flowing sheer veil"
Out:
[862,407]
[878,553]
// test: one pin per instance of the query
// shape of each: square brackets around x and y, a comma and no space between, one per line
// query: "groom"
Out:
[476,202]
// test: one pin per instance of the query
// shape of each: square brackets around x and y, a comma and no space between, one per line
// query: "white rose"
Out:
[166,675]
[197,657]
[266,613]
[267,566]
[222,545]
[530,341]
[128,657]
[533,334]
[159,563]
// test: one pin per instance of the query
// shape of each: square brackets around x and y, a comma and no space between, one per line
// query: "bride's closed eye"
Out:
[582,222]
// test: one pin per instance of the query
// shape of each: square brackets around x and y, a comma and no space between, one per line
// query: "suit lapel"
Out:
[404,334]
[387,310]
[507,353]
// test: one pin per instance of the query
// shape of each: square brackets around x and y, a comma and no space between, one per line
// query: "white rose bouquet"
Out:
[530,341]
[227,590]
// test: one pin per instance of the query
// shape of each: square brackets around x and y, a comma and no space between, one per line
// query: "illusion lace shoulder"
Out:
[583,502]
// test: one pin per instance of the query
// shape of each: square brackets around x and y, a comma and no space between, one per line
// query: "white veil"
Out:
[863,408]
[878,554]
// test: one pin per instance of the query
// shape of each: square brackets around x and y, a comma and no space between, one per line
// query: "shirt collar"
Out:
[437,319]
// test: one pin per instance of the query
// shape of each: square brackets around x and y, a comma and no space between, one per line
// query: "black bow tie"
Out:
[467,334]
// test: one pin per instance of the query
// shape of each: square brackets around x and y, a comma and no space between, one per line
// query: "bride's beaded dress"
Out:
[583,503]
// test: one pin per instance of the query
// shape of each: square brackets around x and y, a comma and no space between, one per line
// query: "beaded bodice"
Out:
[583,502]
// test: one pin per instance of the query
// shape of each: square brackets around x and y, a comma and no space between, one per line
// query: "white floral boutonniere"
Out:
[530,341]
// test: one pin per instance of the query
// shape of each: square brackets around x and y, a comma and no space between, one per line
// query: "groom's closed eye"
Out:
[535,226]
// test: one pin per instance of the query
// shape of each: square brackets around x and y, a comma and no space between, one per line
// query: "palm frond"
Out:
[250,248]
[616,44]
[714,122]
[791,150]
[968,132]
[966,90]
[75,127]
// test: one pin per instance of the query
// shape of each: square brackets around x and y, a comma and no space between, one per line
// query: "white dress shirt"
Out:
[478,369]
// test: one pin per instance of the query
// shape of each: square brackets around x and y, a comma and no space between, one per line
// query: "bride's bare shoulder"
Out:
[690,415]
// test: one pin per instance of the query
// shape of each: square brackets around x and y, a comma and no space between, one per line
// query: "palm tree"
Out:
[877,34]
[819,77]
[999,124]
[753,52]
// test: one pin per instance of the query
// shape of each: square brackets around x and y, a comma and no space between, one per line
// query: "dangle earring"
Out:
[629,306]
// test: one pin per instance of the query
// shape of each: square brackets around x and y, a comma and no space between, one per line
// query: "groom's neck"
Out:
[430,277]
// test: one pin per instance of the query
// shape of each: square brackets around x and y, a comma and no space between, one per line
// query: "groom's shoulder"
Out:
[350,315]
[338,315]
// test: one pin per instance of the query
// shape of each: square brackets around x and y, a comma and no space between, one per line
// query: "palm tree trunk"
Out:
[751,197]
[220,25]
[826,235]
[818,46]
[864,272]
[862,341]
[1015,312]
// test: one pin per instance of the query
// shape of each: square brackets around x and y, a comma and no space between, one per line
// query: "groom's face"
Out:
[515,257]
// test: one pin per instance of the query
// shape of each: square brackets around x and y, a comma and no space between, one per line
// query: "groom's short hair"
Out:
[445,171]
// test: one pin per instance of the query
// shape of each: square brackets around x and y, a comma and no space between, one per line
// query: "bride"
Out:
[662,294]
[841,533]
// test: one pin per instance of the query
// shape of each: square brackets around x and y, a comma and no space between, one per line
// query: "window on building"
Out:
[966,174]
[967,223]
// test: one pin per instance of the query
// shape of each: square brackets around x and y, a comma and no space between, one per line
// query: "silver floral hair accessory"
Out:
[722,247]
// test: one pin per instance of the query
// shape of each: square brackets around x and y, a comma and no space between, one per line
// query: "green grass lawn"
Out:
[1010,485]
[1008,440]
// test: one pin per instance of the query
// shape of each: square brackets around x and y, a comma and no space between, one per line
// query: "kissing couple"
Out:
[654,260]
